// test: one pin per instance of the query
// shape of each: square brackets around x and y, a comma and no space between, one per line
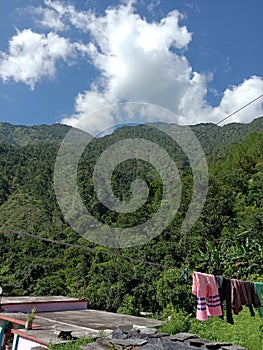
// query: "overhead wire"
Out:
[239,109]
[78,246]
[231,114]
[96,249]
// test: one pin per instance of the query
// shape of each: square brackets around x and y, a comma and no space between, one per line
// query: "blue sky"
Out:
[62,60]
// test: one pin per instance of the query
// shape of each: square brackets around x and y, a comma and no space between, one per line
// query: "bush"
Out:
[72,345]
[246,332]
[128,306]
[179,322]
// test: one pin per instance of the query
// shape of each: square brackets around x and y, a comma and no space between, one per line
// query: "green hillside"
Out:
[211,136]
[226,239]
[21,135]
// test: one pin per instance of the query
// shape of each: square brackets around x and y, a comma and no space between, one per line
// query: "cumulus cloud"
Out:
[48,18]
[85,118]
[235,97]
[32,56]
[136,60]
[145,62]
[58,16]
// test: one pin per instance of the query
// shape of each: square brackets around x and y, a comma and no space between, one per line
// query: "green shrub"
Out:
[247,330]
[179,322]
[128,306]
[71,345]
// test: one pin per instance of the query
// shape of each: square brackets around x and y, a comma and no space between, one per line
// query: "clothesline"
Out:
[211,291]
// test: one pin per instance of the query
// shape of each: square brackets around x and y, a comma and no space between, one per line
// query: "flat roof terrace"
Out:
[97,320]
[88,323]
[41,303]
[36,299]
[89,319]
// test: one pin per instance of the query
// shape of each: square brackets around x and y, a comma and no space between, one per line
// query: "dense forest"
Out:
[226,239]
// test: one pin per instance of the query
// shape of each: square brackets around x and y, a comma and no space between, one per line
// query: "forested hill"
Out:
[226,239]
[211,136]
[21,135]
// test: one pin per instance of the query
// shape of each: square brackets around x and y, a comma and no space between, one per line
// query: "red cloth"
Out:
[206,291]
[238,295]
[243,293]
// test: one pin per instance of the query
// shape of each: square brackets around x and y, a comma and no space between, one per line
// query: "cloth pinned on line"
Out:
[185,274]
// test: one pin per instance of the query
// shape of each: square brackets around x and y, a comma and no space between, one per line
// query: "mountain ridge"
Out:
[211,136]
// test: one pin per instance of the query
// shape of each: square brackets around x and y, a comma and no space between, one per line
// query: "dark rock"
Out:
[213,346]
[183,336]
[130,338]
[166,344]
[216,345]
[118,334]
[159,335]
[154,341]
[233,347]
[148,331]
[198,342]
[128,342]
[127,328]
[124,332]
[93,346]
[103,341]
[149,347]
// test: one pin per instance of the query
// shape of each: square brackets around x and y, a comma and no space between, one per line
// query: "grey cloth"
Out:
[252,297]
[224,289]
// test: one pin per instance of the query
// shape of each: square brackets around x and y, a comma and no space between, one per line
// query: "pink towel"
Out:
[206,291]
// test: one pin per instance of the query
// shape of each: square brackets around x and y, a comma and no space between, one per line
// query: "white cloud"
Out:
[153,6]
[32,56]
[58,16]
[85,118]
[237,96]
[144,62]
[48,18]
[137,60]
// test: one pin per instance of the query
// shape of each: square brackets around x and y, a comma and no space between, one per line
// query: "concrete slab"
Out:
[98,320]
[36,299]
[42,303]
[88,323]
[47,329]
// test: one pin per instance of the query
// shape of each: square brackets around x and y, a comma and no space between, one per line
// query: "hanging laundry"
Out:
[206,291]
[259,291]
[185,274]
[224,289]
[243,293]
[253,299]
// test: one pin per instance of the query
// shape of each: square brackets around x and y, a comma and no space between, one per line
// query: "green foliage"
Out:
[226,239]
[71,345]
[245,332]
[129,306]
[178,322]
[21,135]
[31,315]
[174,291]
[52,285]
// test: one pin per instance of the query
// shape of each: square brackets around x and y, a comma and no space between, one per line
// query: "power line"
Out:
[78,246]
[239,109]
[231,114]
[115,253]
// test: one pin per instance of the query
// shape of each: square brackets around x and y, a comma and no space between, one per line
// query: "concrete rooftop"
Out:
[88,323]
[98,320]
[35,299]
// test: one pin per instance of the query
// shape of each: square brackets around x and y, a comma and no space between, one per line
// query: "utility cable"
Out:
[239,109]
[78,246]
[115,253]
[231,114]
